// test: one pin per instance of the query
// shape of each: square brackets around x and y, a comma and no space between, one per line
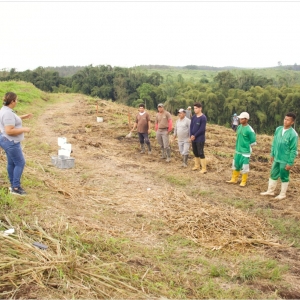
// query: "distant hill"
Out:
[68,71]
[65,71]
[190,67]
[294,67]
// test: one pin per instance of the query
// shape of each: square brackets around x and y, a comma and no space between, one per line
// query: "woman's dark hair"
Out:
[9,98]
[291,115]
[142,105]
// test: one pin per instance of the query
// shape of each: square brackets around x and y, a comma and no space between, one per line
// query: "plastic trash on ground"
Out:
[128,135]
[8,232]
[40,246]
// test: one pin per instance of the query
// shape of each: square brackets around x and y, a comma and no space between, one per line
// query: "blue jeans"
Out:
[15,160]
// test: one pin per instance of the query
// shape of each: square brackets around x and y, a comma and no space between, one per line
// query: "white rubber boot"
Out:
[282,195]
[271,188]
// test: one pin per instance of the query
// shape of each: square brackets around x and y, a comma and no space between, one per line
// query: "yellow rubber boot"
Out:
[197,164]
[234,177]
[203,166]
[244,179]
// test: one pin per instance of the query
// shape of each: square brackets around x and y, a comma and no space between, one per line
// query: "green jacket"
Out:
[284,147]
[246,138]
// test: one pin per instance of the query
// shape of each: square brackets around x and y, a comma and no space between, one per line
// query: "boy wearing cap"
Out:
[283,153]
[246,138]
[182,131]
[163,125]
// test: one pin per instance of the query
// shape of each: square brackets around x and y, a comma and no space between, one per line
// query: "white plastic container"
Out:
[64,152]
[61,141]
[99,119]
[63,162]
[66,146]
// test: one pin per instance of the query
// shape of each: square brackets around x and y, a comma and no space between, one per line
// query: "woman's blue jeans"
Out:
[15,160]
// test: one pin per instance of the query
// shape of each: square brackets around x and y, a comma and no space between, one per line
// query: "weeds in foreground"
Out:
[288,228]
[7,200]
[105,266]
[213,290]
[240,203]
[261,269]
[177,181]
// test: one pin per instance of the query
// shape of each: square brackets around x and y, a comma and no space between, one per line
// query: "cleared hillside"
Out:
[126,225]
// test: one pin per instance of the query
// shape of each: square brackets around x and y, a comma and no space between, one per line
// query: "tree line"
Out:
[265,99]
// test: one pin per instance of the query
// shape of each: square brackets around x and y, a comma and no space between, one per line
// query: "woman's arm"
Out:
[27,116]
[11,130]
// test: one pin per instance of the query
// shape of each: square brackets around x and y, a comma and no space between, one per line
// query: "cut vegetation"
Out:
[127,225]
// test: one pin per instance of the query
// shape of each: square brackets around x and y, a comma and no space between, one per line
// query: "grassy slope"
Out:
[91,265]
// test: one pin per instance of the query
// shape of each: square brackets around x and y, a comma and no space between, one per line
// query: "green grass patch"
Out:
[260,269]
[243,204]
[175,180]
[213,290]
[7,200]
[222,154]
[287,228]
[27,94]
[181,241]
[218,271]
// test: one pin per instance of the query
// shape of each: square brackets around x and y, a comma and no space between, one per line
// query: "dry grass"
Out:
[107,196]
[215,227]
[24,265]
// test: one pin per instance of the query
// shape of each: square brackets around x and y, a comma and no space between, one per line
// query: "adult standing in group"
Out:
[163,126]
[12,133]
[245,138]
[235,122]
[283,153]
[142,122]
[188,112]
[197,132]
[182,132]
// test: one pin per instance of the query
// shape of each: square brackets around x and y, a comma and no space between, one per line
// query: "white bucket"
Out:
[99,119]
[61,141]
[64,152]
[66,146]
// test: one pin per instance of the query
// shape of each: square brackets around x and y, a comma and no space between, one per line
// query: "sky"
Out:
[247,34]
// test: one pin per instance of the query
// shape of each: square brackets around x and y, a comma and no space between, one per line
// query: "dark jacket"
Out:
[198,127]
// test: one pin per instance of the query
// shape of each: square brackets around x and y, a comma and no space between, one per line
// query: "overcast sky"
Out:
[251,34]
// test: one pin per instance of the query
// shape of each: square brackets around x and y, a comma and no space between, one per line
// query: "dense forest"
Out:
[266,94]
